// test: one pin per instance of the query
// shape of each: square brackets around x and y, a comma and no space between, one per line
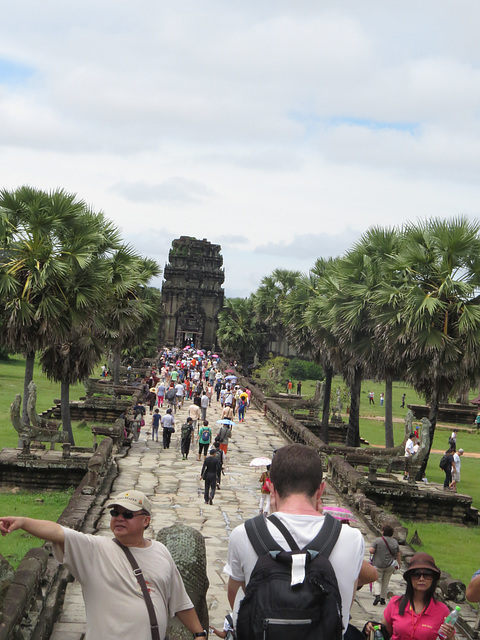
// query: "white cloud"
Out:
[278,129]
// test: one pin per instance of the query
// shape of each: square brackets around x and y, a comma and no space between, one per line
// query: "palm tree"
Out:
[341,310]
[238,333]
[380,246]
[268,300]
[71,361]
[126,307]
[307,334]
[430,306]
[36,230]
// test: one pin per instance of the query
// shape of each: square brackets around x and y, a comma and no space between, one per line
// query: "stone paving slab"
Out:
[175,488]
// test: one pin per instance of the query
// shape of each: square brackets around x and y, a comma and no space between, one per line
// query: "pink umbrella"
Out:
[215,356]
[345,515]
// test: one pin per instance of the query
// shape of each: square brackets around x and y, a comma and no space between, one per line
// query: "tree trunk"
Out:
[434,404]
[116,364]
[326,404]
[388,411]
[65,410]
[353,429]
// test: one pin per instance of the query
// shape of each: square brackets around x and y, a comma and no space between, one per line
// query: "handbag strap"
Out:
[137,572]
[390,551]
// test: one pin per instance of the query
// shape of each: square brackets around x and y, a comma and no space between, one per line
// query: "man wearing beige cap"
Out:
[114,603]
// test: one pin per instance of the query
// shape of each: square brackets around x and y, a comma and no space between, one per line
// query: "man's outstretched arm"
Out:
[44,529]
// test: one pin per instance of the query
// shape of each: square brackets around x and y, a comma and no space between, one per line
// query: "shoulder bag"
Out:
[137,572]
[394,561]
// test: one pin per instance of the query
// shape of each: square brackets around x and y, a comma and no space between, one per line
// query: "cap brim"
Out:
[127,505]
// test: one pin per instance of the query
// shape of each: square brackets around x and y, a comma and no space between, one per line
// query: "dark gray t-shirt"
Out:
[382,557]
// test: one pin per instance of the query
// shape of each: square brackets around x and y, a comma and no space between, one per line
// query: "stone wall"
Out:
[35,595]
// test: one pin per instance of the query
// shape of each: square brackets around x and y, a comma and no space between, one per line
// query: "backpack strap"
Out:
[263,541]
[284,531]
[327,537]
[260,537]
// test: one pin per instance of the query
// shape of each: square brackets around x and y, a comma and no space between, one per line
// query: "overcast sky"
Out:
[281,130]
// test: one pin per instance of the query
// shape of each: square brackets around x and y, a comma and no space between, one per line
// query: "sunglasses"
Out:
[428,575]
[128,515]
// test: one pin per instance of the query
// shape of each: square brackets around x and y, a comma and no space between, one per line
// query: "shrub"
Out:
[304,370]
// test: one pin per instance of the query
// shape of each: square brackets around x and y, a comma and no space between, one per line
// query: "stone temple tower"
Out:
[192,293]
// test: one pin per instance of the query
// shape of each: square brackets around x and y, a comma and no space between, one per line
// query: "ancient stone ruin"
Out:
[192,293]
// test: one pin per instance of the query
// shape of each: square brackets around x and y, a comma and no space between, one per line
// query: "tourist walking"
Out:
[448,467]
[209,476]
[204,405]
[242,403]
[179,393]
[409,452]
[187,434]
[151,398]
[402,406]
[204,439]
[168,424]
[452,441]
[155,424]
[417,614]
[223,436]
[161,394]
[139,412]
[265,491]
[457,464]
[386,558]
[194,412]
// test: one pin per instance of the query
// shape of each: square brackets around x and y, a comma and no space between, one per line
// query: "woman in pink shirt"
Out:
[417,615]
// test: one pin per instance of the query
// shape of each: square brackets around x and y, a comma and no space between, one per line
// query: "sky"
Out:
[280,130]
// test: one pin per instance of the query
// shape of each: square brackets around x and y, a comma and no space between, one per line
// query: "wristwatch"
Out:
[200,634]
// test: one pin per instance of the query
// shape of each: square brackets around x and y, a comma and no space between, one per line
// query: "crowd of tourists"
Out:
[293,570]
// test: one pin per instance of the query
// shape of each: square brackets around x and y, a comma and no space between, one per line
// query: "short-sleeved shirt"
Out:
[168,421]
[346,557]
[409,450]
[194,412]
[382,557]
[427,623]
[114,603]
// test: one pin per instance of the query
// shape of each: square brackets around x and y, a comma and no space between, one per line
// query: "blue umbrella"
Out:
[226,421]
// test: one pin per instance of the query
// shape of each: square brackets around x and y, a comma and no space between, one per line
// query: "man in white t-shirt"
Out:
[409,452]
[456,473]
[179,393]
[295,490]
[114,603]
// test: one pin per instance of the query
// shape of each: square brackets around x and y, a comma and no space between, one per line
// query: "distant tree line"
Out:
[70,288]
[402,303]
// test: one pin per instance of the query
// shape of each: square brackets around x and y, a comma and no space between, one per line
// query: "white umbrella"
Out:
[226,421]
[260,462]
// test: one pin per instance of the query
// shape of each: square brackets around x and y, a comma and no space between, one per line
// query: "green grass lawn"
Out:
[44,506]
[11,382]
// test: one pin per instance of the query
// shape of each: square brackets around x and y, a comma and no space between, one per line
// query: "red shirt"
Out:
[413,626]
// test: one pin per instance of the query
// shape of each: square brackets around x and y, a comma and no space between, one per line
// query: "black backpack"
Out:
[443,463]
[171,393]
[272,608]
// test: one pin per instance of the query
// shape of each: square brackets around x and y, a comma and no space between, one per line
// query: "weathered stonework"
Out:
[192,293]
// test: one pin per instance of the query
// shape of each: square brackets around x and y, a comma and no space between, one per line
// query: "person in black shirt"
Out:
[209,475]
[448,468]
